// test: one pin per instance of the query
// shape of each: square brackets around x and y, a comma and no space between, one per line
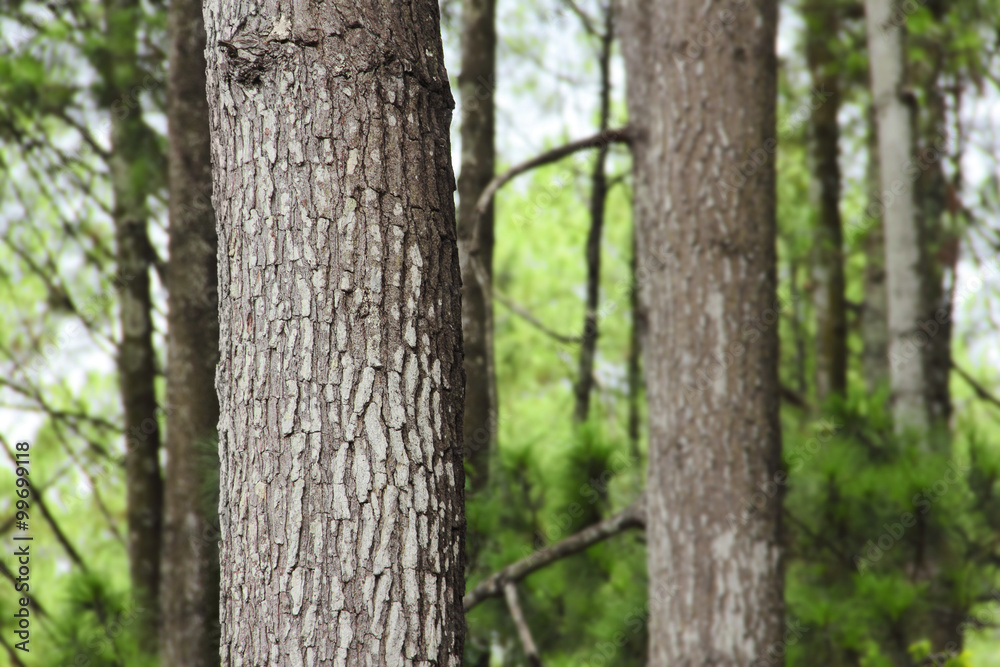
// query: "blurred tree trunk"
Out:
[941,244]
[130,166]
[828,264]
[340,380]
[190,585]
[476,85]
[874,324]
[706,221]
[894,107]
[598,197]
[634,375]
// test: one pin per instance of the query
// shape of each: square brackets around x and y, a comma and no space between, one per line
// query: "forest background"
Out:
[559,465]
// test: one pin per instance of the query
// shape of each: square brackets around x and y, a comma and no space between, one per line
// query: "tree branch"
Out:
[534,321]
[633,516]
[523,631]
[981,391]
[620,135]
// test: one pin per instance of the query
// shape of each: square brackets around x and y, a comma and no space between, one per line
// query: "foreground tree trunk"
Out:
[707,242]
[828,264]
[189,595]
[477,84]
[340,381]
[903,251]
[130,182]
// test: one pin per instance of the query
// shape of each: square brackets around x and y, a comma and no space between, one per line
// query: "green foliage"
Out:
[97,628]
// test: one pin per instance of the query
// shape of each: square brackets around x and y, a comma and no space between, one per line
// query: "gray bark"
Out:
[707,244]
[189,595]
[894,107]
[340,382]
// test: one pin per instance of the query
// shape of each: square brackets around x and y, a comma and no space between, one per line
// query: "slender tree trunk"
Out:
[634,366]
[477,84]
[190,587]
[136,356]
[598,197]
[894,107]
[798,335]
[712,344]
[828,264]
[941,250]
[874,322]
[340,381]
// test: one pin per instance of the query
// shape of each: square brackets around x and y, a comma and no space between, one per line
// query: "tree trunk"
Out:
[894,107]
[340,381]
[874,323]
[598,197]
[707,238]
[828,264]
[129,163]
[190,586]
[476,85]
[941,247]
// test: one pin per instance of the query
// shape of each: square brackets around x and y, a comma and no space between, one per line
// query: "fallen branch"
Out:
[523,631]
[633,516]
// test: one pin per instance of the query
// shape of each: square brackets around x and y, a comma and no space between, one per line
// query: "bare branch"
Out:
[633,516]
[585,19]
[523,631]
[526,315]
[981,391]
[620,136]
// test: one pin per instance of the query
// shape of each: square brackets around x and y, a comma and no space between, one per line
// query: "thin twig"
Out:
[523,631]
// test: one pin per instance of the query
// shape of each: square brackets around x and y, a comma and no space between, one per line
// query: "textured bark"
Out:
[874,322]
[707,238]
[894,107]
[189,596]
[598,197]
[828,264]
[477,83]
[340,382]
[136,356]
